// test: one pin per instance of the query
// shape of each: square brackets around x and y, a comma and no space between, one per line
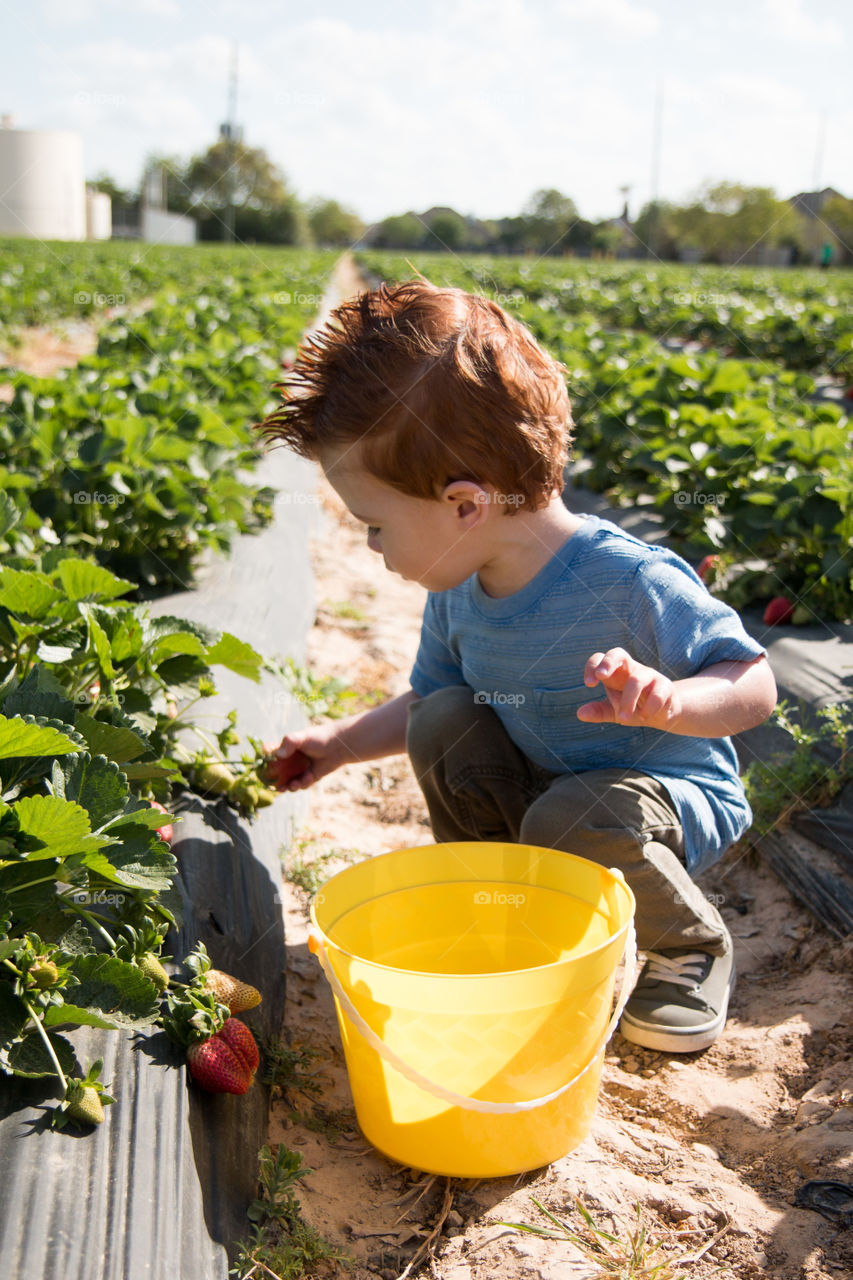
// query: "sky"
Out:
[387,105]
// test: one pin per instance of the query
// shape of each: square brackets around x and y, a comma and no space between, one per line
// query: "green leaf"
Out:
[30,901]
[729,376]
[30,1058]
[82,580]
[9,514]
[111,993]
[40,694]
[60,827]
[167,624]
[140,814]
[14,1015]
[99,640]
[177,642]
[28,593]
[22,738]
[142,862]
[95,783]
[237,656]
[114,741]
[142,772]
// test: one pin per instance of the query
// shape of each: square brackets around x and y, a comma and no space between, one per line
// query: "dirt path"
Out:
[712,1146]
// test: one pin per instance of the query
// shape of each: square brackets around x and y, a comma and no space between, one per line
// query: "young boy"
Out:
[444,427]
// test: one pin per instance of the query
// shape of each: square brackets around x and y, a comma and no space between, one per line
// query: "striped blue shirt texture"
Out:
[525,655]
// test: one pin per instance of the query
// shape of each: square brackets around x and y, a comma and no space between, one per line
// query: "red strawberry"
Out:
[278,772]
[238,1036]
[226,1062]
[779,610]
[164,832]
[706,566]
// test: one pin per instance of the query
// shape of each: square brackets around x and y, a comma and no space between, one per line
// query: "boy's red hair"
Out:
[434,385]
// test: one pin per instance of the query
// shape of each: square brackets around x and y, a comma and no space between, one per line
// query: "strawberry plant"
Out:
[96,701]
[84,882]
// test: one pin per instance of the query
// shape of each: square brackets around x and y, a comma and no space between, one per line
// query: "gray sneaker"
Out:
[680,1001]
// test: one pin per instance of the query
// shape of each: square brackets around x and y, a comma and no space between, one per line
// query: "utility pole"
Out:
[231,134]
[657,128]
[818,156]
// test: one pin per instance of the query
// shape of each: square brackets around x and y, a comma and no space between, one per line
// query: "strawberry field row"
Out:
[801,319]
[41,282]
[735,455]
[139,454]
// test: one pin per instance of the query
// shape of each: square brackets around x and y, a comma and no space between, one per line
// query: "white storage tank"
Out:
[99,215]
[41,177]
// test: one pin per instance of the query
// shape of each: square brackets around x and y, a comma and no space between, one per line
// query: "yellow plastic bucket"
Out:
[473,986]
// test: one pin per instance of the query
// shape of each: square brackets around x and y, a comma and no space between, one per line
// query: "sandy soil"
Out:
[43,349]
[712,1145]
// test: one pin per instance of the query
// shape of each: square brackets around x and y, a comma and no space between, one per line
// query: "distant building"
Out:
[818,236]
[41,178]
[811,202]
[99,215]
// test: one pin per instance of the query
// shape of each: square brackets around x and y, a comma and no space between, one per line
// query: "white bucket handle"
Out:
[447,1095]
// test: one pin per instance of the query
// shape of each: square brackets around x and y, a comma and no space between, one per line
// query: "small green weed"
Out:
[308,872]
[632,1258]
[292,1068]
[320,695]
[803,779]
[332,1122]
[282,1246]
[346,609]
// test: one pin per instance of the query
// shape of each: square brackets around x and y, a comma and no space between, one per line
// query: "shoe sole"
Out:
[672,1039]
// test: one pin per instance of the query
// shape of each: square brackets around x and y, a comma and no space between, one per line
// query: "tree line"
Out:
[233,185]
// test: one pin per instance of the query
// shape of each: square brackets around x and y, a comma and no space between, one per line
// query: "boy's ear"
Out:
[470,499]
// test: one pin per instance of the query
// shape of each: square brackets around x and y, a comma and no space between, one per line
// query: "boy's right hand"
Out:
[300,759]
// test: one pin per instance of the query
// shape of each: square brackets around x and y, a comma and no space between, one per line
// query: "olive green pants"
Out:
[479,786]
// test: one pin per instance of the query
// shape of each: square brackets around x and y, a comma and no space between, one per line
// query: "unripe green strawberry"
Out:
[84,1104]
[245,793]
[44,972]
[153,969]
[239,996]
[214,777]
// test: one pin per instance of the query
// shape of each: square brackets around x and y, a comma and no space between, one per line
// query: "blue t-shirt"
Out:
[525,655]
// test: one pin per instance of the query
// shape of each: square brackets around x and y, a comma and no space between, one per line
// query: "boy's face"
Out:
[436,542]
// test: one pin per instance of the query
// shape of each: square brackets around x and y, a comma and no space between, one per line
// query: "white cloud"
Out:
[77,12]
[616,15]
[758,92]
[789,19]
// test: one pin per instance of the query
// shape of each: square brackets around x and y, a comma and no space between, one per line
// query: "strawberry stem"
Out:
[87,915]
[48,1046]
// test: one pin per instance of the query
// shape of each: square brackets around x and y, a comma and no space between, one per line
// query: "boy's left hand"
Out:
[636,695]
